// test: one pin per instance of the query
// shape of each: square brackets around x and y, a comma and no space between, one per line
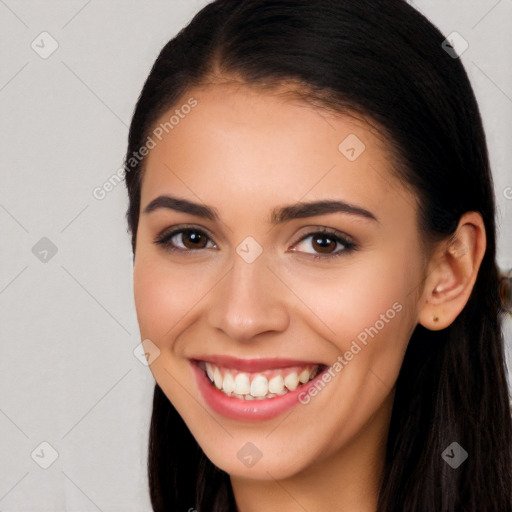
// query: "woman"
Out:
[312,220]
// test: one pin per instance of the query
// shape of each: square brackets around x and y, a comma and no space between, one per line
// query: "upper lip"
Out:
[253,365]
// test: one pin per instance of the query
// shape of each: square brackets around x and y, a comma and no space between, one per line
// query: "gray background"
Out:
[68,373]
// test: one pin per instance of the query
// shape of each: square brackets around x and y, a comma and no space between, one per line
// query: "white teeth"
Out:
[217,378]
[276,385]
[291,381]
[209,371]
[304,376]
[242,384]
[228,385]
[259,386]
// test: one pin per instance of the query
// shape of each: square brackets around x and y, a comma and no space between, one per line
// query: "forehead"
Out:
[240,145]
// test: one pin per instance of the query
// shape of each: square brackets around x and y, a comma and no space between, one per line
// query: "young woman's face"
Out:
[286,248]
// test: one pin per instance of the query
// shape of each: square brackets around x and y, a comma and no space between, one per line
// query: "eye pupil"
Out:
[195,237]
[324,246]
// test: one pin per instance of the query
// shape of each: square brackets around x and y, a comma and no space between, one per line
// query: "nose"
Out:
[248,301]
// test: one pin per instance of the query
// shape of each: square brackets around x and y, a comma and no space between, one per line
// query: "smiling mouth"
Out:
[259,385]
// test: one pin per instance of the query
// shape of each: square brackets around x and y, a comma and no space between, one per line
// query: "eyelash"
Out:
[164,239]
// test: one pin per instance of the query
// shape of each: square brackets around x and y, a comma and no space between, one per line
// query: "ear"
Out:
[451,273]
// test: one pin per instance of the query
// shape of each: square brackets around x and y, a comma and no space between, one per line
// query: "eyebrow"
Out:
[279,215]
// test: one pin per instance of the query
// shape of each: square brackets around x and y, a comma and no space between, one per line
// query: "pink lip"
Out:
[253,365]
[248,410]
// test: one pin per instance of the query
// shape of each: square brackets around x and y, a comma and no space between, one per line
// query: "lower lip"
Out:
[247,410]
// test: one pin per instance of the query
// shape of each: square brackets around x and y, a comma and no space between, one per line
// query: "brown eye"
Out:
[186,240]
[193,239]
[324,244]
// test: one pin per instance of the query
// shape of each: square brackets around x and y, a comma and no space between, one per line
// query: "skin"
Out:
[244,152]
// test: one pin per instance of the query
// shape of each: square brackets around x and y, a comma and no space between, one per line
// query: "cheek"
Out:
[354,298]
[158,298]
[166,295]
[366,312]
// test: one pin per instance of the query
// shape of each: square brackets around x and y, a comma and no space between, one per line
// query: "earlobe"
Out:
[452,272]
